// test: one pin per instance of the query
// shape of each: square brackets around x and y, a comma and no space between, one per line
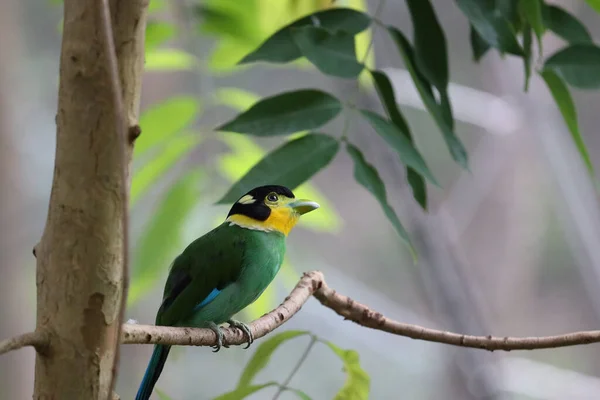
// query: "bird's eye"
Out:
[272,197]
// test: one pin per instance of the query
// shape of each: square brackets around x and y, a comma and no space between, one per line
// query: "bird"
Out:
[225,270]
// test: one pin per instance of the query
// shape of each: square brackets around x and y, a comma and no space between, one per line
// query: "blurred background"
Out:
[508,249]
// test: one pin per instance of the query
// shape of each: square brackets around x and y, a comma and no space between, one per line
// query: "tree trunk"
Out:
[80,258]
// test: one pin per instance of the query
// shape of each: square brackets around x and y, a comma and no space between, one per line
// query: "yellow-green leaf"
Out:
[163,120]
[263,354]
[149,173]
[243,392]
[159,59]
[358,383]
[161,239]
[157,33]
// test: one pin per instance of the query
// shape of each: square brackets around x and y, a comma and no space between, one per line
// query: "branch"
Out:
[313,283]
[38,340]
[123,133]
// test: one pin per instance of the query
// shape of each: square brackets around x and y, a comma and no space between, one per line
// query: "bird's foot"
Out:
[217,330]
[244,328]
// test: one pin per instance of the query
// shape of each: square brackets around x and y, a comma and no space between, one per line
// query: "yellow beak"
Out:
[303,206]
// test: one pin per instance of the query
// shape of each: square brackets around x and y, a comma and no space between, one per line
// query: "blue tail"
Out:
[155,366]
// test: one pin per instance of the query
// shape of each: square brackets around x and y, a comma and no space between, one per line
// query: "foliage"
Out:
[333,39]
[357,383]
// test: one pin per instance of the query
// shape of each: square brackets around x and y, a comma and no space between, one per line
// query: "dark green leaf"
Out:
[431,54]
[366,175]
[565,104]
[157,33]
[478,46]
[301,395]
[243,392]
[263,354]
[164,120]
[565,25]
[527,42]
[438,112]
[281,48]
[388,99]
[493,27]
[398,140]
[285,113]
[532,11]
[358,383]
[161,239]
[419,188]
[578,65]
[509,9]
[386,95]
[333,53]
[289,165]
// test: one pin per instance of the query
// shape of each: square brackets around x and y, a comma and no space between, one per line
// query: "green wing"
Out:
[211,262]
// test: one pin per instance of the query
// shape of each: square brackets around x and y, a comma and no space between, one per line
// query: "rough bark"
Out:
[80,257]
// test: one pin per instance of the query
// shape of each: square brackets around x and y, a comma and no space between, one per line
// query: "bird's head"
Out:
[269,208]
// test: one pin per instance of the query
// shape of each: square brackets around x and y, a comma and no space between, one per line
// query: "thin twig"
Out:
[123,134]
[313,283]
[36,339]
[287,381]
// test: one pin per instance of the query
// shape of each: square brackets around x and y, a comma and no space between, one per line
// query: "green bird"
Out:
[227,269]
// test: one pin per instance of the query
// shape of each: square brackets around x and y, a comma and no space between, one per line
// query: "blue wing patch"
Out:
[211,296]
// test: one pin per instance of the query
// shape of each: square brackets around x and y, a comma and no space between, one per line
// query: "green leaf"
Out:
[333,53]
[366,175]
[262,355]
[385,92]
[595,4]
[157,33]
[162,395]
[163,120]
[156,5]
[243,392]
[431,55]
[169,60]
[172,152]
[299,393]
[479,47]
[578,65]
[161,239]
[357,385]
[532,11]
[286,113]
[289,165]
[245,153]
[565,25]
[457,150]
[493,27]
[565,104]
[398,140]
[509,9]
[527,44]
[281,47]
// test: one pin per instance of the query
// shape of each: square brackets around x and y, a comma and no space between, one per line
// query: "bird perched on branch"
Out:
[227,269]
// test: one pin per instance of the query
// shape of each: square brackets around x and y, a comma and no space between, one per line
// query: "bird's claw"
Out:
[217,330]
[244,328]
